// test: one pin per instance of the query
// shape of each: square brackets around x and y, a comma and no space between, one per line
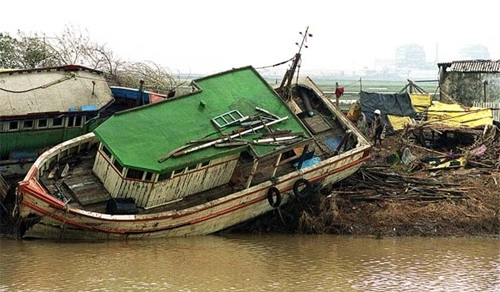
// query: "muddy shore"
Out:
[386,199]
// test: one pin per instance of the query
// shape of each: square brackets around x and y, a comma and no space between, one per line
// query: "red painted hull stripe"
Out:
[211,216]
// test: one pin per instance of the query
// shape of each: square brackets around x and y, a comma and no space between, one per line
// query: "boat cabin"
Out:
[232,129]
[43,107]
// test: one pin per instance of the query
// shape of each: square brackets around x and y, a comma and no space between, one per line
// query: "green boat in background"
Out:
[42,107]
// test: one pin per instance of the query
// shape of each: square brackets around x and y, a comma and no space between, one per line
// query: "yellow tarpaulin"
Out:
[443,162]
[457,115]
[354,112]
[421,101]
[398,122]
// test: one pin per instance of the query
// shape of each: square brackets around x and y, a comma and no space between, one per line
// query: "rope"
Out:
[277,64]
[357,81]
[41,86]
[63,227]
[298,70]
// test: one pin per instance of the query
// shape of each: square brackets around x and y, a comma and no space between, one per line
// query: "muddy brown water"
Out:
[254,263]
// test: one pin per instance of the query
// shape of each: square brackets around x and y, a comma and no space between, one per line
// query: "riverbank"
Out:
[385,198]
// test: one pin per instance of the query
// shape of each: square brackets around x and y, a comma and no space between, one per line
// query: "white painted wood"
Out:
[204,219]
[59,220]
[218,173]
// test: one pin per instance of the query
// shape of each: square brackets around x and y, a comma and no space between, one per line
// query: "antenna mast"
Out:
[285,86]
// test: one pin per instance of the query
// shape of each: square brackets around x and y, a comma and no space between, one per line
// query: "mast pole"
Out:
[286,83]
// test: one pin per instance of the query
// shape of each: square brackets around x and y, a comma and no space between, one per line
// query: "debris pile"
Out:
[397,194]
[470,147]
[391,196]
[372,183]
[435,174]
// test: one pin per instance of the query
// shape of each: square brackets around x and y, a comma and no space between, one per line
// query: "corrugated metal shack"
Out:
[472,83]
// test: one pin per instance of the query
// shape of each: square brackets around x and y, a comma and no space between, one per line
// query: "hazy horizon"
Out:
[203,37]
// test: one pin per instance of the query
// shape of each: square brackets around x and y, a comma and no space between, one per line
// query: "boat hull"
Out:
[44,216]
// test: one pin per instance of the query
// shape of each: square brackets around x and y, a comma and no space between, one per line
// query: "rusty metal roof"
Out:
[486,66]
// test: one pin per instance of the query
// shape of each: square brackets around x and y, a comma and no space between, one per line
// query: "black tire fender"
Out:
[305,191]
[271,193]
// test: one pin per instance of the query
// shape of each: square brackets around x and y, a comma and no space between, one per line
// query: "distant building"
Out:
[411,57]
[470,81]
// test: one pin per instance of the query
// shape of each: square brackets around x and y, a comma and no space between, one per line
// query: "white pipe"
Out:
[228,138]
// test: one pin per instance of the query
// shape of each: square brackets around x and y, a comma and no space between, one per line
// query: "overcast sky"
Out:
[207,36]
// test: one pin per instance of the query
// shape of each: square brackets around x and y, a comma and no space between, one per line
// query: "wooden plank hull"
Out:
[51,218]
[43,215]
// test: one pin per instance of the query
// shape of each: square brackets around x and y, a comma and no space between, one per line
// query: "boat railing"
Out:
[341,118]
[56,153]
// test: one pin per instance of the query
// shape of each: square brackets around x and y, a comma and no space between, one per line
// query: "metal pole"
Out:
[485,83]
[141,91]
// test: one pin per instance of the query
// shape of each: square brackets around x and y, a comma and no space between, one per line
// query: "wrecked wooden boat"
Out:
[193,165]
[42,107]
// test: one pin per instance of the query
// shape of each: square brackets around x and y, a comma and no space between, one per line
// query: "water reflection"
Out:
[253,263]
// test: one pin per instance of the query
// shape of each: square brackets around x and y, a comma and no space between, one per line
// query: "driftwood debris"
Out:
[372,183]
[463,141]
[415,182]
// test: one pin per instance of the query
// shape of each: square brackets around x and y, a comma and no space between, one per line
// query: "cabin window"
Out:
[106,151]
[178,171]
[118,165]
[28,124]
[71,121]
[57,122]
[78,121]
[148,176]
[205,164]
[13,125]
[191,167]
[134,173]
[165,176]
[42,123]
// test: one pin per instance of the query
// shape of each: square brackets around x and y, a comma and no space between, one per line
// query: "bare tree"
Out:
[155,77]
[75,47]
[26,50]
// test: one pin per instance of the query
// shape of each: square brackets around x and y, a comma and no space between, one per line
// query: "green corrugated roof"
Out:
[141,136]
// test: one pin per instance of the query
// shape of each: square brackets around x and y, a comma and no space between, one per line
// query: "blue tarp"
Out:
[333,142]
[308,162]
[91,107]
[396,104]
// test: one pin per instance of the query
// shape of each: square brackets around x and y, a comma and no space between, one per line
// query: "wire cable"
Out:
[277,64]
